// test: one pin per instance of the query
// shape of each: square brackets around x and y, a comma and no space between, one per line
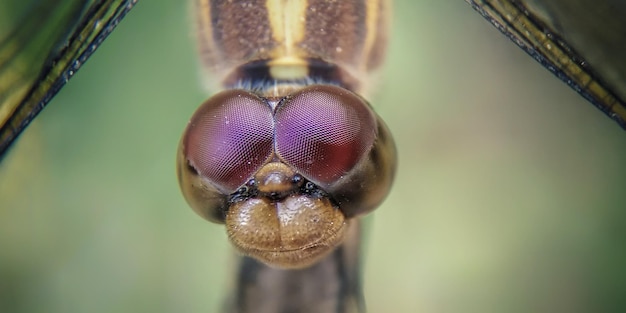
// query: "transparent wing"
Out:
[581,41]
[42,44]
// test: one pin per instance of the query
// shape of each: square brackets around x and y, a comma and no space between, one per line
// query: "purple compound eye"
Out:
[229,138]
[323,132]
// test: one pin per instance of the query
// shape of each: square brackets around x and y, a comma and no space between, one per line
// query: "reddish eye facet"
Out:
[323,132]
[229,138]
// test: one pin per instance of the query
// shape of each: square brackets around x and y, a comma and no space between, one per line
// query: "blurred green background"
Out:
[509,197]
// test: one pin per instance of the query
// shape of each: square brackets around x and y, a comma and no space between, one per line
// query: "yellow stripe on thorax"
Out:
[287,19]
[372,22]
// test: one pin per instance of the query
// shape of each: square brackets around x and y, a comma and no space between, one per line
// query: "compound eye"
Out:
[229,138]
[323,132]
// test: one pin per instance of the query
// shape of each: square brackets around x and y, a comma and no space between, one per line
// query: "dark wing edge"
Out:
[530,34]
[91,30]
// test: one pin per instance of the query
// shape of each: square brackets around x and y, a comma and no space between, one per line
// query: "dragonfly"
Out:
[373,256]
[290,154]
